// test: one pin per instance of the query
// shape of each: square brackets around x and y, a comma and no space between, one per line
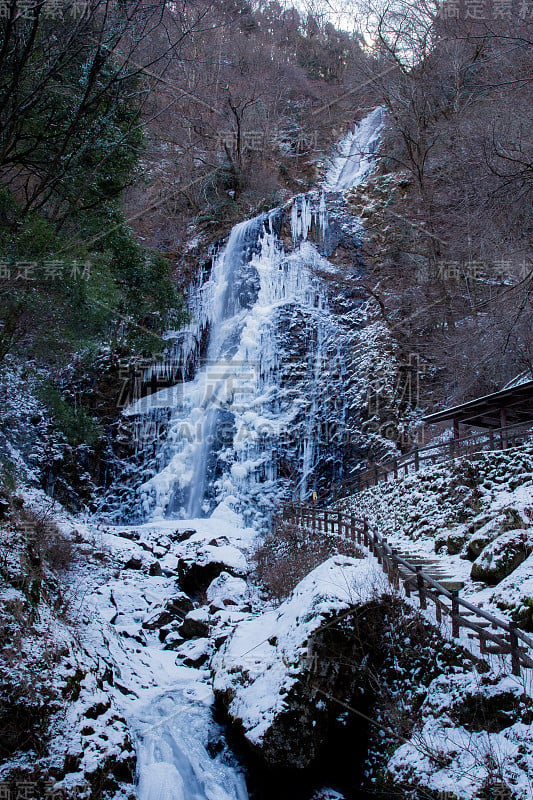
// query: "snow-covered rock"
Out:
[483,536]
[196,624]
[194,653]
[502,556]
[227,590]
[176,608]
[475,740]
[202,563]
[261,671]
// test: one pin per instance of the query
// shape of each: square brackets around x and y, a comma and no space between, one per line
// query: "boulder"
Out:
[174,609]
[173,641]
[263,670]
[195,625]
[220,639]
[194,653]
[484,703]
[134,563]
[514,595]
[502,556]
[202,563]
[180,605]
[171,628]
[483,536]
[132,632]
[226,590]
[455,542]
[182,536]
[133,536]
[155,569]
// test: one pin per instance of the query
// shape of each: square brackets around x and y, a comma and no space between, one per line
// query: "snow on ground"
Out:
[167,704]
[440,511]
[141,677]
[117,684]
[475,731]
[457,750]
[453,514]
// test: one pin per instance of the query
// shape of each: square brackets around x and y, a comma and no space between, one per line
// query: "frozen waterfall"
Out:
[261,402]
[266,414]
[356,153]
[173,761]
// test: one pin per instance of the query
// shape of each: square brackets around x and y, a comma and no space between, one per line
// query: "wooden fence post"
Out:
[340,523]
[420,587]
[438,612]
[395,467]
[455,613]
[365,533]
[382,558]
[325,521]
[395,571]
[417,460]
[515,652]
[352,528]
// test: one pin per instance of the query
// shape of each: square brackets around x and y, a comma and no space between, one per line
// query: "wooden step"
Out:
[480,624]
[451,584]
[448,581]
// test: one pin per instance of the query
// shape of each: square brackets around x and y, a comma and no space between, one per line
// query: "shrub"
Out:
[8,476]
[45,545]
[289,553]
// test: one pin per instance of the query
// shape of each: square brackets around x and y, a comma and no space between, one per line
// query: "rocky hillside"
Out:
[474,517]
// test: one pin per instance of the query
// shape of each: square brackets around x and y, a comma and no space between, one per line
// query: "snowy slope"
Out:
[450,512]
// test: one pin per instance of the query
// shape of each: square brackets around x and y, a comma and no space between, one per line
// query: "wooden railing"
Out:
[494,439]
[504,638]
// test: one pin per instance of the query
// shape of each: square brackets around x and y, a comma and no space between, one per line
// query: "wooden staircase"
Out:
[427,578]
[431,567]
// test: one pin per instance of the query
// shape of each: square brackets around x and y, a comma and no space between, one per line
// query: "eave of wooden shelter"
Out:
[486,412]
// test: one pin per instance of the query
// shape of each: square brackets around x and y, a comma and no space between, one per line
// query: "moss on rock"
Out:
[500,557]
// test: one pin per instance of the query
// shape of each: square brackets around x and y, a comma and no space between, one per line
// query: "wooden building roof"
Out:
[486,412]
